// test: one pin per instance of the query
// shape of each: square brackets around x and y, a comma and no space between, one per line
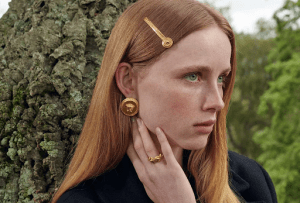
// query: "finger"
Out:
[136,162]
[149,145]
[165,146]
[138,144]
[132,154]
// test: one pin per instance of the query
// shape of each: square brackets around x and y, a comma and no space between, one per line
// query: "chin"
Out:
[198,147]
[197,144]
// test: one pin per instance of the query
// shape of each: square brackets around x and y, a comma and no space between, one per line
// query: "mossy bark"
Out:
[50,54]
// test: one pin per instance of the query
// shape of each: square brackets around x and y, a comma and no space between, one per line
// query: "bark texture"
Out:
[50,54]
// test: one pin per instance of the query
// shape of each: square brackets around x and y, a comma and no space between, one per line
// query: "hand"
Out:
[164,181]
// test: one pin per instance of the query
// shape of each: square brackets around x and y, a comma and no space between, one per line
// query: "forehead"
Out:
[209,47]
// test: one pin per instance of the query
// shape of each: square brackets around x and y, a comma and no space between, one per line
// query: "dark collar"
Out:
[239,185]
[237,182]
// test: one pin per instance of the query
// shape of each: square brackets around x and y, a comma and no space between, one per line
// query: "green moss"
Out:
[10,126]
[6,169]
[50,147]
[2,124]
[25,184]
[12,142]
[12,153]
[22,25]
[5,91]
[17,111]
[34,33]
[18,97]
[4,141]
[4,107]
[4,63]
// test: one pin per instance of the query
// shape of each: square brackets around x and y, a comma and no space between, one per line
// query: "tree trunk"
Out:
[50,54]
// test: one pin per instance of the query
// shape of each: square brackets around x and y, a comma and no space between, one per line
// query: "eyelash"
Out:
[225,77]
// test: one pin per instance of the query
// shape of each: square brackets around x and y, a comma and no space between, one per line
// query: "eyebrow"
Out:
[201,69]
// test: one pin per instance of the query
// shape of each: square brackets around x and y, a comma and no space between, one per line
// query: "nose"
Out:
[213,99]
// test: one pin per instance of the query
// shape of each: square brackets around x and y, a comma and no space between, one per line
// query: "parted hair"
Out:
[106,132]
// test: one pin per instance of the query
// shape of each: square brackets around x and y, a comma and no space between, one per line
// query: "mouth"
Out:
[205,127]
[206,123]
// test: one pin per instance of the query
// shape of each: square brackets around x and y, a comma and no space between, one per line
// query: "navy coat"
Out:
[122,185]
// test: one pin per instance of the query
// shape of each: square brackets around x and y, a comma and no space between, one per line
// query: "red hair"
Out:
[106,132]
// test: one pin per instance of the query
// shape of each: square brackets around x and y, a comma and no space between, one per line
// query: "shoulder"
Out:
[250,179]
[120,184]
[242,164]
[82,193]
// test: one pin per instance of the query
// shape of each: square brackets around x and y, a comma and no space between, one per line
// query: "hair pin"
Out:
[167,42]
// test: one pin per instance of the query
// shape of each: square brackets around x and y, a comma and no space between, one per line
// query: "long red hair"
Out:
[106,132]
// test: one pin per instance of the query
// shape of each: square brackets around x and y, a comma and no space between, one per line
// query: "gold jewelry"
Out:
[156,159]
[167,42]
[129,106]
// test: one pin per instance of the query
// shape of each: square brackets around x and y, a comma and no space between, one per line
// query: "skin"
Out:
[173,97]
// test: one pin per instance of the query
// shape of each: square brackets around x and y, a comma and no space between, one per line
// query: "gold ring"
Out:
[156,159]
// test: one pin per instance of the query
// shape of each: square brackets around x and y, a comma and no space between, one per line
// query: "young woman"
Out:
[156,126]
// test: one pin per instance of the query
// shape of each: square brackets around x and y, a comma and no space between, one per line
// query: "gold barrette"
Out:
[167,42]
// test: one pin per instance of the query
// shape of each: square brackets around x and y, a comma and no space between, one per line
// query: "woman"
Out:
[169,65]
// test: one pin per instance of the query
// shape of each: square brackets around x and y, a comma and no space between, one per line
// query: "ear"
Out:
[126,80]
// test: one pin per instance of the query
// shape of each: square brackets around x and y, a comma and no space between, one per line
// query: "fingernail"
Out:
[158,130]
[132,119]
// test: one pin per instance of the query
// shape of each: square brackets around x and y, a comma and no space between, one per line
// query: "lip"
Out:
[205,127]
[206,123]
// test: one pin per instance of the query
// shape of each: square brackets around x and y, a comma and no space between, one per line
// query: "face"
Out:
[184,88]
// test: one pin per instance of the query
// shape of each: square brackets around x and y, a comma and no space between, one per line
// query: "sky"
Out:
[244,13]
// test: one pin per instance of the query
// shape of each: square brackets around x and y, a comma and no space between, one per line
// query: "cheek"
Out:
[179,104]
[164,106]
[221,92]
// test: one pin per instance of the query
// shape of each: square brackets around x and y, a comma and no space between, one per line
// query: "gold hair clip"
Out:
[167,42]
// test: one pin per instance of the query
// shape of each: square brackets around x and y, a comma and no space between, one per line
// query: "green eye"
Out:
[220,79]
[192,77]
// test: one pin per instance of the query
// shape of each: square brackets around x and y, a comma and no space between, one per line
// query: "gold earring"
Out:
[129,106]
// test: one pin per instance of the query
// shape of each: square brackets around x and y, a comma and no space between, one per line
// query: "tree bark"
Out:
[50,54]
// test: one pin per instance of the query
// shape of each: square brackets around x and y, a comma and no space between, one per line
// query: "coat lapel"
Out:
[239,185]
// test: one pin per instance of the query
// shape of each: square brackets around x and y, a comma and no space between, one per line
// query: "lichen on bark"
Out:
[50,54]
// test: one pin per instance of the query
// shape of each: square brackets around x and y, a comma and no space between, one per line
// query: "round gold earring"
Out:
[130,106]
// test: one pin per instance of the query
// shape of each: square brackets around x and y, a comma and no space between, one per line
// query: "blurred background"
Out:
[37,135]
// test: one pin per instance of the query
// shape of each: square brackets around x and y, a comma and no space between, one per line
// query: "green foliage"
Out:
[280,141]
[288,32]
[265,29]
[251,82]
